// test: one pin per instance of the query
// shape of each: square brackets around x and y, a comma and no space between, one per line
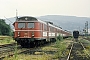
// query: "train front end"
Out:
[27,30]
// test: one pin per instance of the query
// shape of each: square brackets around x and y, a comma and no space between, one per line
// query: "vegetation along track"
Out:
[7,49]
[17,49]
[77,52]
[13,52]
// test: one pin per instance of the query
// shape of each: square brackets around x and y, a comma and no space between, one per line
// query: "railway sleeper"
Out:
[79,57]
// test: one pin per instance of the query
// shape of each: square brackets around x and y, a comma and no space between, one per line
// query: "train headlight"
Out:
[32,34]
[18,33]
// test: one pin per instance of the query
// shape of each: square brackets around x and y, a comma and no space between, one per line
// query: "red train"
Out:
[31,31]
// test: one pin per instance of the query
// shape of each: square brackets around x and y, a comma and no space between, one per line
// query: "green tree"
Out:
[4,28]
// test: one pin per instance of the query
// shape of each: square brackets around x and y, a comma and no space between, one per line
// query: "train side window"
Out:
[51,28]
[45,27]
[31,25]
[21,25]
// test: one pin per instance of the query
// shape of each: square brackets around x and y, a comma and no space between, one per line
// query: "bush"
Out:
[59,37]
[61,47]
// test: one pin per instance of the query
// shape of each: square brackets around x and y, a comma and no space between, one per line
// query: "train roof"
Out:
[29,18]
[26,18]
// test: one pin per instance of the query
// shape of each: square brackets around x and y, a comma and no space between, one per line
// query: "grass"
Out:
[87,47]
[85,42]
[54,51]
[6,40]
[61,49]
[30,57]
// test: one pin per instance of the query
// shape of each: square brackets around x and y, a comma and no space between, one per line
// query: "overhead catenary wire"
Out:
[8,19]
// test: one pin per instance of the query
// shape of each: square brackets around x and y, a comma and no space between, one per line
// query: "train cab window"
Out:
[21,25]
[31,25]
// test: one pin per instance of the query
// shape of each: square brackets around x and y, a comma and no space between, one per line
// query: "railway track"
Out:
[77,52]
[13,52]
[7,45]
[10,51]
[7,50]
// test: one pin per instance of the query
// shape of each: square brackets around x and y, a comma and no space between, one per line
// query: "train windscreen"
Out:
[30,25]
[21,25]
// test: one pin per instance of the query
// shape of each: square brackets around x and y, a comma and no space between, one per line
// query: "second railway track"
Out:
[10,51]
[7,45]
[77,52]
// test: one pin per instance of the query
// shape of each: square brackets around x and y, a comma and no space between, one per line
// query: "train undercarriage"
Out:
[32,42]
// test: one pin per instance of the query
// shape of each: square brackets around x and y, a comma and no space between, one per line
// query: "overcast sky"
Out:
[44,7]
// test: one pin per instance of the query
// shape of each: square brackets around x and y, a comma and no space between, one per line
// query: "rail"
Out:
[70,51]
[77,46]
